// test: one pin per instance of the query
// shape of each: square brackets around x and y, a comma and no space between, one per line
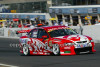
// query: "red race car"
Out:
[57,40]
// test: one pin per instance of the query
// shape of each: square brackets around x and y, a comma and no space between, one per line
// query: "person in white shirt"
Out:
[31,27]
[56,24]
[66,24]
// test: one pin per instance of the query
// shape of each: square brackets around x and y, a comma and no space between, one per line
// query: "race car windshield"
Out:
[62,32]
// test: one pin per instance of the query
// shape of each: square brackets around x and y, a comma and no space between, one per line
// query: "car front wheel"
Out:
[26,51]
[56,50]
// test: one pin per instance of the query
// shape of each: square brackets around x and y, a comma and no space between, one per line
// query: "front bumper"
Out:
[71,50]
[83,50]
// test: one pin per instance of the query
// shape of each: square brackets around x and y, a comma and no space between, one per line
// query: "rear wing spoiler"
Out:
[23,31]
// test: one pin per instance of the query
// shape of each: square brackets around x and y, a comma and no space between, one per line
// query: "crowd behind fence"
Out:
[19,24]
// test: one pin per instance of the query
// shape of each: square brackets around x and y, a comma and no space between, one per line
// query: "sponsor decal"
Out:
[82,45]
[40,53]
[67,48]
[57,39]
[50,43]
[34,52]
[49,30]
[67,51]
[46,39]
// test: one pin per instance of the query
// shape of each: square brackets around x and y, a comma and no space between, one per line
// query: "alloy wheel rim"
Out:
[55,49]
[25,50]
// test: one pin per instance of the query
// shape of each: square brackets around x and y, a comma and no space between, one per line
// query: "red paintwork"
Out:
[35,50]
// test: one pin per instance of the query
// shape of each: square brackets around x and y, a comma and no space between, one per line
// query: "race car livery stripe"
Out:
[37,45]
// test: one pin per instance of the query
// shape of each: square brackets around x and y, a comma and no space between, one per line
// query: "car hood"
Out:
[74,38]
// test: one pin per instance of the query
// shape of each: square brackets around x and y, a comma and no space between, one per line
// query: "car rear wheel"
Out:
[56,50]
[26,51]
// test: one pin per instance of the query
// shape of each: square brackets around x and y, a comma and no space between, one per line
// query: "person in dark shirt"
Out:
[80,29]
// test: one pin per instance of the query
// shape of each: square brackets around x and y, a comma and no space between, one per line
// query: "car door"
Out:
[44,41]
[39,44]
[33,40]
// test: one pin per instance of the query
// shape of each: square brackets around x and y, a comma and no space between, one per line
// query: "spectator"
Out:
[24,24]
[96,21]
[55,23]
[15,24]
[35,24]
[6,23]
[43,24]
[39,24]
[46,23]
[11,24]
[20,25]
[66,24]
[31,26]
[61,23]
[2,25]
[86,23]
[28,24]
[80,29]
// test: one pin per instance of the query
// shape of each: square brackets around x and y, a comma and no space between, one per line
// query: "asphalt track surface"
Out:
[10,55]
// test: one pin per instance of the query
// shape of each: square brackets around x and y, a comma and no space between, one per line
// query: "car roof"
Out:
[47,28]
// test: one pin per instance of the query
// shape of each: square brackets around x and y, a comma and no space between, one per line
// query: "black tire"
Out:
[56,49]
[77,53]
[91,52]
[26,51]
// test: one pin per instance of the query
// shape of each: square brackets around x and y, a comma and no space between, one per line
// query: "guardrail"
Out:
[11,32]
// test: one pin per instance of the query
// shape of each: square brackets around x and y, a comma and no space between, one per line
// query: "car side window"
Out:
[30,33]
[33,33]
[42,32]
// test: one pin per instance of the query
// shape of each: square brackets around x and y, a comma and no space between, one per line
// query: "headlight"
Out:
[68,44]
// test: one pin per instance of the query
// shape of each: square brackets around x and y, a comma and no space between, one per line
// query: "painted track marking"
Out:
[6,65]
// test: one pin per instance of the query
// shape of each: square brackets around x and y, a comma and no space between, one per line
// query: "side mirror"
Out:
[44,37]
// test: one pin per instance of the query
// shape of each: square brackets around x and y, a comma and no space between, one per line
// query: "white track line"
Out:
[6,65]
